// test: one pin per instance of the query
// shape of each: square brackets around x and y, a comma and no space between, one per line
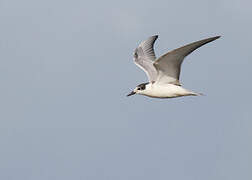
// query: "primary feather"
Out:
[144,56]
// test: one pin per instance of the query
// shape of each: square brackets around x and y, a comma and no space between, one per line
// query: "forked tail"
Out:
[197,94]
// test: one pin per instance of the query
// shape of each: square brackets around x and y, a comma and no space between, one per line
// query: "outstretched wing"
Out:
[168,66]
[144,56]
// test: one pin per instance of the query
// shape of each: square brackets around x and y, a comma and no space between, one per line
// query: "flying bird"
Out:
[163,72]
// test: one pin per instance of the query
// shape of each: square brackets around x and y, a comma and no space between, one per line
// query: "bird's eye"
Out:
[135,55]
[138,88]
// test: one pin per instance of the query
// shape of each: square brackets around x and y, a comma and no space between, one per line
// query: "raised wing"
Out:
[144,56]
[168,65]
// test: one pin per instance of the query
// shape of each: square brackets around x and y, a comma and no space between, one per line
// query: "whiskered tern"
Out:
[163,72]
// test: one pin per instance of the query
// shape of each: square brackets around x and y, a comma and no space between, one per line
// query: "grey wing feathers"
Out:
[168,65]
[146,48]
[144,56]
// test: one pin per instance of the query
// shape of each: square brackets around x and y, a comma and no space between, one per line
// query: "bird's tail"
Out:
[197,94]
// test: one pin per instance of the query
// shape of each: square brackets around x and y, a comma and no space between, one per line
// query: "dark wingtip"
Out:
[154,36]
[216,37]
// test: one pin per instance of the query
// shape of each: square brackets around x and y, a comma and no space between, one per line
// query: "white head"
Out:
[140,89]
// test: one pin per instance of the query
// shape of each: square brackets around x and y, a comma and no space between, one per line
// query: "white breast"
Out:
[165,91]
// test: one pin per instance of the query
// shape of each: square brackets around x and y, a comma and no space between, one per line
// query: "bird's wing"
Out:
[144,56]
[168,66]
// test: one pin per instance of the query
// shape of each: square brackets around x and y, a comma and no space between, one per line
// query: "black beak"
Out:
[132,93]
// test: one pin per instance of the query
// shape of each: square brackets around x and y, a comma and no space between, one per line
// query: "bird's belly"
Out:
[169,91]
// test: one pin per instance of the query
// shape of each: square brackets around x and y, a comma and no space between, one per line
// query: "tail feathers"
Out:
[197,94]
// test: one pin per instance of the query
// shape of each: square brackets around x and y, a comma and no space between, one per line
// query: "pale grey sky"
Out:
[65,70]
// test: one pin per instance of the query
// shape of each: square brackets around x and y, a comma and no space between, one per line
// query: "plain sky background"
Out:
[65,70]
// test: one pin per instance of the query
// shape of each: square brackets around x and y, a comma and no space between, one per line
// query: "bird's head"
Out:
[139,89]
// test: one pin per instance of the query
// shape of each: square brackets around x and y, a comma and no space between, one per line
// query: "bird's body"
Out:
[156,90]
[163,72]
